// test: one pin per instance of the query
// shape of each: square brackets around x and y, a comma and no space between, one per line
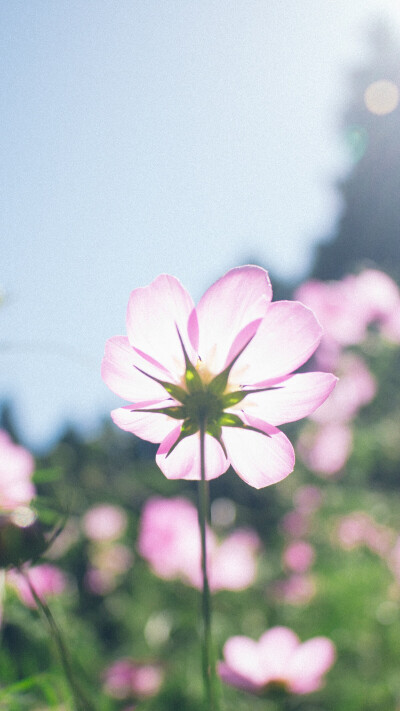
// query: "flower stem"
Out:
[209,674]
[82,703]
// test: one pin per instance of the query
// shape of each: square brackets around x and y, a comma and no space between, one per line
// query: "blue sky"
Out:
[147,137]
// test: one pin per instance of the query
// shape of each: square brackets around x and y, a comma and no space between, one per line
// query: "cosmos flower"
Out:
[47,580]
[346,309]
[104,522]
[125,678]
[326,449]
[226,366]
[355,389]
[298,556]
[277,659]
[298,589]
[16,469]
[169,539]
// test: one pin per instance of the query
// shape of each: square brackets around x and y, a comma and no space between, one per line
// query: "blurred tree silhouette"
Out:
[369,228]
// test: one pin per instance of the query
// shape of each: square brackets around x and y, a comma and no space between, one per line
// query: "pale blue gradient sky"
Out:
[147,137]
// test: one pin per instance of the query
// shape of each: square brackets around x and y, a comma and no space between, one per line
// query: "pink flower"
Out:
[347,307]
[308,499]
[126,678]
[169,539]
[278,658]
[326,450]
[297,589]
[377,294]
[233,564]
[108,563]
[104,522]
[228,363]
[16,469]
[47,580]
[391,326]
[336,306]
[299,556]
[355,389]
[359,529]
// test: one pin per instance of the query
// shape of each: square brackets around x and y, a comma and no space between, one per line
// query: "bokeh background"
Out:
[140,138]
[188,138]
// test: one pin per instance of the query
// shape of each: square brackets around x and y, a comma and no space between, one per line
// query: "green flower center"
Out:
[202,405]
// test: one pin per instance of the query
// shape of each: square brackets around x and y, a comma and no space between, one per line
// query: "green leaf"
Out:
[219,383]
[175,391]
[192,379]
[188,428]
[43,476]
[229,420]
[231,399]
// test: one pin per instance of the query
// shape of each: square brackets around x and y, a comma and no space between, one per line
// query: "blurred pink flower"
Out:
[233,563]
[16,469]
[359,529]
[326,450]
[126,678]
[230,361]
[108,563]
[299,556]
[46,579]
[308,499]
[278,658]
[297,589]
[377,294]
[335,305]
[347,307]
[391,326]
[356,388]
[351,530]
[169,539]
[104,522]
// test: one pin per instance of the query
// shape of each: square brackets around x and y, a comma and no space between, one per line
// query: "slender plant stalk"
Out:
[82,703]
[209,675]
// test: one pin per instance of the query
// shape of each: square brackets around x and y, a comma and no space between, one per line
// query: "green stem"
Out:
[209,674]
[80,699]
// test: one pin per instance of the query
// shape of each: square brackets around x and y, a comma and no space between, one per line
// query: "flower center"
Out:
[203,400]
[203,406]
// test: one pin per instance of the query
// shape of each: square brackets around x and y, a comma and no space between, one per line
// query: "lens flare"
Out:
[381,97]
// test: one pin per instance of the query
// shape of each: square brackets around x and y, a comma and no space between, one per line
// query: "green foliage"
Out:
[356,600]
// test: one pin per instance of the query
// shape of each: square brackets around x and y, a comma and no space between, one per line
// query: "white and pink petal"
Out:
[276,646]
[119,370]
[242,656]
[152,426]
[290,399]
[155,315]
[233,678]
[183,462]
[229,306]
[259,458]
[286,338]
[309,663]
